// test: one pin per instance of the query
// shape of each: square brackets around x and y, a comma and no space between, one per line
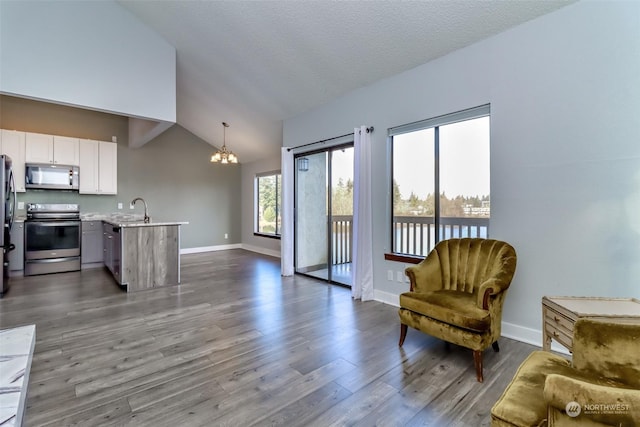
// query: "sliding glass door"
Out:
[324,214]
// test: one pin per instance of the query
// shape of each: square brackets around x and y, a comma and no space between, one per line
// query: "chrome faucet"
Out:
[146,215]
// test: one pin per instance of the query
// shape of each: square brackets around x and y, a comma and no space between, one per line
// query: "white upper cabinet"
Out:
[108,168]
[38,148]
[66,151]
[61,150]
[88,166]
[98,167]
[12,144]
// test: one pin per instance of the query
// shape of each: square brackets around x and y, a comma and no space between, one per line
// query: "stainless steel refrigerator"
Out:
[7,211]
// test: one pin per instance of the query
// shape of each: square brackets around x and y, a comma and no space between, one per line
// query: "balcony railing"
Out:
[341,227]
[413,235]
[417,235]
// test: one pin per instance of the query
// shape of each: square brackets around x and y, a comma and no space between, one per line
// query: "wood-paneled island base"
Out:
[143,255]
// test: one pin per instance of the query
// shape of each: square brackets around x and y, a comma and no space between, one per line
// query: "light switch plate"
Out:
[20,205]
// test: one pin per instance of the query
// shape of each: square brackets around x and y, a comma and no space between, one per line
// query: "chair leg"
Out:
[495,346]
[477,360]
[403,333]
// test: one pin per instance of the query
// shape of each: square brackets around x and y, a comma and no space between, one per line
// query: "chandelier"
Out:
[223,155]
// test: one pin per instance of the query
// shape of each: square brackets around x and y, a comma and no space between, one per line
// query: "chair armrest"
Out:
[425,276]
[607,404]
[489,288]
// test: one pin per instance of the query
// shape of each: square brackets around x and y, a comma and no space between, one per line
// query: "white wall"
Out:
[564,91]
[91,54]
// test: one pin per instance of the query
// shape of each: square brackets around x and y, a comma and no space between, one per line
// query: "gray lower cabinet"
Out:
[16,256]
[107,245]
[112,251]
[91,246]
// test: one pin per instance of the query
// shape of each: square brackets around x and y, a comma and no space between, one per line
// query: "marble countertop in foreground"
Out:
[16,352]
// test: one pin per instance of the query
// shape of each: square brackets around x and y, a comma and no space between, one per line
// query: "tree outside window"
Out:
[268,196]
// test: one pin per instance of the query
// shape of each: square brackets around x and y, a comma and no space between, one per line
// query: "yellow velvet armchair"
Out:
[457,293]
[600,386]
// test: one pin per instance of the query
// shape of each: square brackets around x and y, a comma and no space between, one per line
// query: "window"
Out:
[440,180]
[268,190]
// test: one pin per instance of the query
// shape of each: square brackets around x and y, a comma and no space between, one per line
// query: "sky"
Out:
[464,160]
[342,165]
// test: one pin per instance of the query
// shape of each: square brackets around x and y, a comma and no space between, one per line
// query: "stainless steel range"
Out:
[52,238]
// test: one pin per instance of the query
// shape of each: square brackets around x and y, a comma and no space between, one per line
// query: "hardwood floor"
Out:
[237,345]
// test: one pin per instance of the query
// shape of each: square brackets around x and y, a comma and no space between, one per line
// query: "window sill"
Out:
[409,259]
[268,236]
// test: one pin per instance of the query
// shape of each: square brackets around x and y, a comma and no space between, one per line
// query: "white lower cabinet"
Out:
[98,167]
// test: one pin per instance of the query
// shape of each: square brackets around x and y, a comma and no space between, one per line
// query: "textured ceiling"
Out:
[254,64]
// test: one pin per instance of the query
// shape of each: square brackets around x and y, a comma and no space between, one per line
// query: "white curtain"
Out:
[286,232]
[362,287]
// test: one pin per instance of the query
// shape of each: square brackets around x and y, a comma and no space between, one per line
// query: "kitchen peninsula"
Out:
[142,255]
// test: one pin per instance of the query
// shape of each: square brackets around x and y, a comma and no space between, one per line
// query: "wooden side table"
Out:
[559,314]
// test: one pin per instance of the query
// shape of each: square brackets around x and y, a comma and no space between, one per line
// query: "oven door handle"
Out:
[53,224]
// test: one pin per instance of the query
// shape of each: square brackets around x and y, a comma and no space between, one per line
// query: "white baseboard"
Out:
[262,251]
[529,336]
[386,297]
[200,249]
[509,330]
[251,248]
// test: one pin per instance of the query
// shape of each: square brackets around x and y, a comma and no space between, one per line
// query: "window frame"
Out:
[435,123]
[256,209]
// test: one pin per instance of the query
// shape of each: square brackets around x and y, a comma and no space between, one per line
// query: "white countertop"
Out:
[16,352]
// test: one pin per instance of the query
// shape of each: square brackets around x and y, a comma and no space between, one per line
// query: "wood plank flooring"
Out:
[238,345]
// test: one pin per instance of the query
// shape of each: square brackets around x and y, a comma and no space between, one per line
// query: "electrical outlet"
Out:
[119,205]
[390,275]
[226,236]
[20,205]
[399,276]
[114,138]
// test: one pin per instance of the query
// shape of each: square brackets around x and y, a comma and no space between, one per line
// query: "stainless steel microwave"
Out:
[51,177]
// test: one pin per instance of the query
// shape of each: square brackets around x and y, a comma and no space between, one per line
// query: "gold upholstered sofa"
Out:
[457,293]
[600,386]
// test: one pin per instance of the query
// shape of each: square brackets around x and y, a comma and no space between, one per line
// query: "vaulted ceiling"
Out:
[255,64]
